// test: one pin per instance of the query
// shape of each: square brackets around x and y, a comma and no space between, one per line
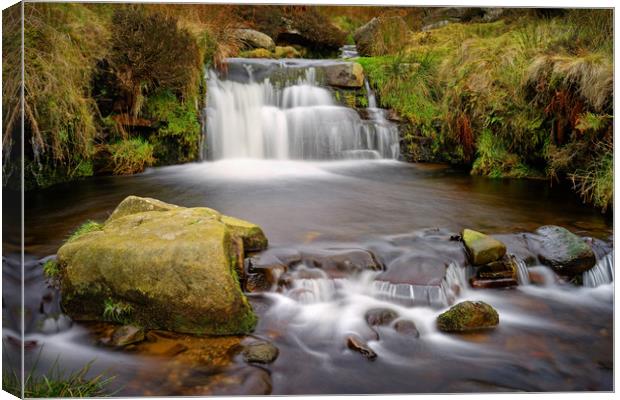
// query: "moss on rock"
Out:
[467,316]
[482,249]
[173,267]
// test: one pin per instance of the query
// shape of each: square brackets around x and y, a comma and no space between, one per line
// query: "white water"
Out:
[602,273]
[300,121]
[523,275]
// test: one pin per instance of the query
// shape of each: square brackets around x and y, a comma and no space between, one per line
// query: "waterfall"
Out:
[523,275]
[372,101]
[601,273]
[298,121]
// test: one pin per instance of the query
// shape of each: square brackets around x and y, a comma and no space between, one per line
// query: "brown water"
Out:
[553,337]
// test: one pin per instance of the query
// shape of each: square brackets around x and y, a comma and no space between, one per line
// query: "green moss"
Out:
[86,227]
[130,156]
[467,316]
[51,269]
[178,134]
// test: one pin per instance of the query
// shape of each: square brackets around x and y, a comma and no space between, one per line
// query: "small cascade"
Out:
[523,275]
[372,100]
[293,119]
[348,51]
[315,290]
[602,273]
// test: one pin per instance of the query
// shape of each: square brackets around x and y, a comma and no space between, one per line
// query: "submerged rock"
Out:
[467,316]
[482,249]
[126,335]
[356,343]
[166,268]
[380,316]
[564,251]
[406,327]
[260,352]
[252,39]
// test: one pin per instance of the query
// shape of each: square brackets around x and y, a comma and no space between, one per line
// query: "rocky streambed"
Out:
[346,296]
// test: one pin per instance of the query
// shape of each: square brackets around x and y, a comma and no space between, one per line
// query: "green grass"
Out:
[86,227]
[57,382]
[117,311]
[130,156]
[51,268]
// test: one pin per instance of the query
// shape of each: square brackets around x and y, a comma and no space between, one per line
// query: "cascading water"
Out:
[602,273]
[298,120]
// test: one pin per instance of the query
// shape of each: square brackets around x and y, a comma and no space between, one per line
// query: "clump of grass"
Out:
[86,227]
[51,268]
[117,311]
[57,383]
[130,156]
[595,182]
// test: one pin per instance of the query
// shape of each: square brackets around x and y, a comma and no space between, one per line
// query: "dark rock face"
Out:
[468,316]
[380,316]
[564,251]
[260,352]
[355,343]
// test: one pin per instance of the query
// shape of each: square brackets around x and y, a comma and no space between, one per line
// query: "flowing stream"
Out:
[353,230]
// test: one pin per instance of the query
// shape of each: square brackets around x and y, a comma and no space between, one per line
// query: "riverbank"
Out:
[502,93]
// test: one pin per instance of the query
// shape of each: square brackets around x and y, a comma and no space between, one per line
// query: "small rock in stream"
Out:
[406,327]
[380,316]
[468,316]
[260,352]
[126,335]
[356,343]
[482,249]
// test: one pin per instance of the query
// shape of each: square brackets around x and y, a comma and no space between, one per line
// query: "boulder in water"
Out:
[382,35]
[252,39]
[564,251]
[169,268]
[260,352]
[406,327]
[482,249]
[345,75]
[468,316]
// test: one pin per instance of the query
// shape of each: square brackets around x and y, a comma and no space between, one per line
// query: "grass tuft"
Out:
[86,227]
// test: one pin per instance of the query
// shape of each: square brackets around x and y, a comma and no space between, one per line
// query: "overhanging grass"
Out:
[86,227]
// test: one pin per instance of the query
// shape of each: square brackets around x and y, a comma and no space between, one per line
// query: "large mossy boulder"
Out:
[482,249]
[468,316]
[160,266]
[382,35]
[344,75]
[252,39]
[564,251]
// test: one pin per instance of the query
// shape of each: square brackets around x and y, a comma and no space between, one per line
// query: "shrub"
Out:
[130,156]
[178,134]
[51,269]
[150,51]
[117,311]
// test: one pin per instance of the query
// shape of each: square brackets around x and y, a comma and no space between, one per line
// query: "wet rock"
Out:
[260,352]
[168,268]
[252,39]
[482,249]
[356,343]
[126,335]
[467,316]
[480,283]
[346,75]
[381,35]
[380,316]
[564,251]
[406,327]
[503,268]
[341,262]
